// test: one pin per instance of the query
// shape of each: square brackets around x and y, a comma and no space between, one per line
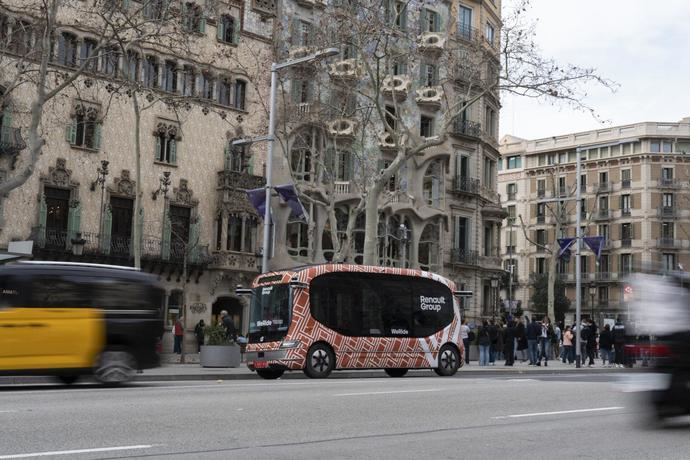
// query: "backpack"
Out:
[471,336]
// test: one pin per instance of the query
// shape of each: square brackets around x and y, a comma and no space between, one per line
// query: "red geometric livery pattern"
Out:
[357,352]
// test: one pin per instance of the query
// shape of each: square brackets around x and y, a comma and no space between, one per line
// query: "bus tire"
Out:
[115,366]
[270,374]
[448,361]
[320,361]
[396,372]
[68,379]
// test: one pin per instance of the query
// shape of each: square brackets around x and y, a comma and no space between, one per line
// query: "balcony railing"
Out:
[566,277]
[466,185]
[541,192]
[605,276]
[668,242]
[463,256]
[11,141]
[467,128]
[541,219]
[625,212]
[668,182]
[490,262]
[468,33]
[603,187]
[625,183]
[626,242]
[667,212]
[602,214]
[341,187]
[512,196]
[510,249]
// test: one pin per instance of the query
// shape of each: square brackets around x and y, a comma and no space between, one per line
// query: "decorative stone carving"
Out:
[183,195]
[59,176]
[167,129]
[123,185]
[89,112]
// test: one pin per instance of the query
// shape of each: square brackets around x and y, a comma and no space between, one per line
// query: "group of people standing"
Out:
[199,331]
[539,341]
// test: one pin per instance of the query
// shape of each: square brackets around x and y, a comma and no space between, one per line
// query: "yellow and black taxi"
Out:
[69,320]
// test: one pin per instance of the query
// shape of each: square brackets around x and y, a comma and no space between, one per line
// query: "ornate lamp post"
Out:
[592,293]
[102,172]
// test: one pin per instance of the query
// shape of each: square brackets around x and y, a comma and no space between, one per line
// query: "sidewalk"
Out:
[192,371]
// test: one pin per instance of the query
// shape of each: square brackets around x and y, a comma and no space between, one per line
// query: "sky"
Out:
[643,46]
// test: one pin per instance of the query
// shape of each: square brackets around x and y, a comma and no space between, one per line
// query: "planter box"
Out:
[220,356]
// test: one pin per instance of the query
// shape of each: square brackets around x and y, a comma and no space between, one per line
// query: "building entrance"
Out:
[234,308]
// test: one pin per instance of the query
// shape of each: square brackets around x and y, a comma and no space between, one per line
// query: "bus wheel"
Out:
[115,367]
[270,374]
[68,379]
[320,362]
[448,361]
[396,372]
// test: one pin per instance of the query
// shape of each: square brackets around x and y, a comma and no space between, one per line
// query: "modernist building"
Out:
[635,182]
[441,211]
[198,231]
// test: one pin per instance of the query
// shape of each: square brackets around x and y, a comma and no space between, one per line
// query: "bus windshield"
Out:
[269,315]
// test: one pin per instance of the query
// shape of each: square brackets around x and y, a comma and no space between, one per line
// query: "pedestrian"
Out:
[591,342]
[465,336]
[484,342]
[533,333]
[520,339]
[545,337]
[556,341]
[568,345]
[606,346]
[229,325]
[508,343]
[618,334]
[500,341]
[199,333]
[178,331]
[493,334]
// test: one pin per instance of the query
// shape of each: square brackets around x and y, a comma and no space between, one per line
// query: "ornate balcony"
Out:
[430,97]
[341,187]
[467,128]
[431,42]
[343,128]
[466,185]
[602,214]
[345,70]
[668,243]
[668,182]
[667,212]
[462,256]
[11,141]
[397,86]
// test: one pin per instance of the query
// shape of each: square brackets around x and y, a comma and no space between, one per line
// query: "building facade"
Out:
[635,184]
[197,230]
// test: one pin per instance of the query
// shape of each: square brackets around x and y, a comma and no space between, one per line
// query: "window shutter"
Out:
[296,89]
[250,166]
[329,164]
[6,134]
[202,25]
[422,74]
[106,231]
[423,20]
[159,147]
[220,28]
[403,17]
[71,132]
[97,136]
[438,24]
[236,31]
[193,249]
[42,218]
[348,166]
[295,32]
[435,192]
[73,223]
[173,151]
[165,241]
[436,80]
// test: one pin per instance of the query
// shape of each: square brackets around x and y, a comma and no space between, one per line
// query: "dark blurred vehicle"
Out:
[661,311]
[68,320]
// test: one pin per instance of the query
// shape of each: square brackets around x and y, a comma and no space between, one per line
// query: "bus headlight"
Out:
[289,344]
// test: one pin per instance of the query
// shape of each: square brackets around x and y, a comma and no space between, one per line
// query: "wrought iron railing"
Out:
[466,184]
[467,128]
[464,256]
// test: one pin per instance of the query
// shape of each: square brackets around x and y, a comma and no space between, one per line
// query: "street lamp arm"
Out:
[310,57]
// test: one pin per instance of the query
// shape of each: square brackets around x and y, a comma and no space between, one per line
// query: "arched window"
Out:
[224,91]
[235,157]
[151,71]
[67,49]
[432,186]
[189,81]
[429,247]
[206,86]
[240,94]
[228,29]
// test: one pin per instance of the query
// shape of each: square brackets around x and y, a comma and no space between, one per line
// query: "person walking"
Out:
[545,338]
[465,336]
[500,341]
[533,333]
[199,333]
[618,336]
[178,331]
[229,325]
[568,352]
[591,338]
[606,346]
[509,343]
[520,339]
[493,335]
[484,342]
[556,341]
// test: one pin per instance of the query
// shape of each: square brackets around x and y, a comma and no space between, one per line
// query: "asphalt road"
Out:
[548,417]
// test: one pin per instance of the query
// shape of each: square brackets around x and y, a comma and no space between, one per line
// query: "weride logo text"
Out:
[431,303]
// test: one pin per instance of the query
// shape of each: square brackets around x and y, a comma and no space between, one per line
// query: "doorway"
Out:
[234,308]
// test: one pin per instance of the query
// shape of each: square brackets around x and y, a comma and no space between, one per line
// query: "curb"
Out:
[41,380]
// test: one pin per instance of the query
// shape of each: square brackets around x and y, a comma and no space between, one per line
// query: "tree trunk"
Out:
[371,217]
[136,237]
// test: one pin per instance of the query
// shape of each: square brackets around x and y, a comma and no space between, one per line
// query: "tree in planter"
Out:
[216,335]
[384,44]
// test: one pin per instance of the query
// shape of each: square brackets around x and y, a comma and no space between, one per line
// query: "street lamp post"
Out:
[102,172]
[592,293]
[275,67]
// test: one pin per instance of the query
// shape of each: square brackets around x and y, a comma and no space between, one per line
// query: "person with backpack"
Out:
[484,342]
[606,346]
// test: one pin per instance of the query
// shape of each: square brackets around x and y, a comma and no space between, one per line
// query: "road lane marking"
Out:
[574,411]
[8,411]
[387,392]
[76,451]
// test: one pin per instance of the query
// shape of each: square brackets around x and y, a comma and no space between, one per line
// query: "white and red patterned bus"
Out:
[325,317]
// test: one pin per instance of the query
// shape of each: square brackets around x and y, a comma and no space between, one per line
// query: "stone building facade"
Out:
[635,185]
[196,221]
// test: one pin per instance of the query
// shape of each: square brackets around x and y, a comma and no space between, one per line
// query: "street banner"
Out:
[257,197]
[288,193]
[595,243]
[565,244]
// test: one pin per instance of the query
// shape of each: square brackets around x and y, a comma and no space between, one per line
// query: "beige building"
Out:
[193,105]
[635,184]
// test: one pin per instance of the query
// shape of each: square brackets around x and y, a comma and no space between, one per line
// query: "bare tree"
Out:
[383,44]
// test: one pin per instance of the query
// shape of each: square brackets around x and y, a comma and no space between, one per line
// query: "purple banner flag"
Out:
[257,197]
[565,244]
[289,194]
[595,243]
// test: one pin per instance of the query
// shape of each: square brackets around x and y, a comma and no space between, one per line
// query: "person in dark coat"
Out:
[508,343]
[606,346]
[618,336]
[521,339]
[199,333]
[229,325]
